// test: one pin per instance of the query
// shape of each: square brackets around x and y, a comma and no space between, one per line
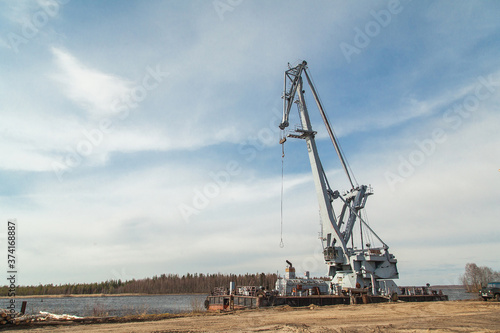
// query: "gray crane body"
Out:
[350,267]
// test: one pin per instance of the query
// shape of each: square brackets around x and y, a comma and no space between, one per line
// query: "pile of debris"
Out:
[9,317]
[17,318]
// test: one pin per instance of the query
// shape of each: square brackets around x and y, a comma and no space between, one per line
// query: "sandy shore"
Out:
[452,316]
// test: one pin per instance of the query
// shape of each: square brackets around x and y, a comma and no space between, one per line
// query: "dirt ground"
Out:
[452,316]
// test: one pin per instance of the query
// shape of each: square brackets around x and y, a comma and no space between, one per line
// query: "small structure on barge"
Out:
[291,285]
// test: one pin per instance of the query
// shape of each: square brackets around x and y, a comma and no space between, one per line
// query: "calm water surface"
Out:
[112,305]
[455,294]
[125,305]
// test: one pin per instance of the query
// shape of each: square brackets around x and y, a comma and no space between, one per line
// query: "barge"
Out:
[239,302]
[292,291]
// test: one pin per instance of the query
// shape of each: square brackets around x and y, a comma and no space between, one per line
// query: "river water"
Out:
[128,305]
[111,305]
[455,294]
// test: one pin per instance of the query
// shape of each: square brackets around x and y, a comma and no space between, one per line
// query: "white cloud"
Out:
[94,91]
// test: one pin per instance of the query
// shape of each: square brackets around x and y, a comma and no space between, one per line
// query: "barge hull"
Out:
[235,302]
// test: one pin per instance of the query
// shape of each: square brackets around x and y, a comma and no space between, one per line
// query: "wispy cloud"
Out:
[94,91]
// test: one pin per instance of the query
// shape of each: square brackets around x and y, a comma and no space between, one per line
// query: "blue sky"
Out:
[140,138]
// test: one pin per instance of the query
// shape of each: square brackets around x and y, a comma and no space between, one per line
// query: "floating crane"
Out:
[350,267]
[362,273]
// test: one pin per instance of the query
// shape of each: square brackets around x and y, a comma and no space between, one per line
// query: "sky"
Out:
[140,138]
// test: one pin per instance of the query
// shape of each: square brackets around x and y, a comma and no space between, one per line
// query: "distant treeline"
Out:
[163,284]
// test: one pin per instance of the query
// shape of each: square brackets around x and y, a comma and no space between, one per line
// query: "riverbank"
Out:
[95,295]
[457,316]
[71,295]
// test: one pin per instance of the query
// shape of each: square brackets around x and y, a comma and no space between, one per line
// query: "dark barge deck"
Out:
[235,302]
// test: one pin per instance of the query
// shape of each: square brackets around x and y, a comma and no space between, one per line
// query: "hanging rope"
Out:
[282,141]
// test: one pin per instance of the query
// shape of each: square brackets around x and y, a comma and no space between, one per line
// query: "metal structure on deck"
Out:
[350,267]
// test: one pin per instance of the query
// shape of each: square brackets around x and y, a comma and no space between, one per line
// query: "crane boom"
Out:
[348,266]
[295,76]
[323,192]
[329,128]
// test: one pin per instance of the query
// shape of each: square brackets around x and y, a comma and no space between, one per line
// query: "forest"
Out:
[163,284]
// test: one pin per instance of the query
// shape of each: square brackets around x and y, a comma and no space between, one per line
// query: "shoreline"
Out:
[95,295]
[175,294]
